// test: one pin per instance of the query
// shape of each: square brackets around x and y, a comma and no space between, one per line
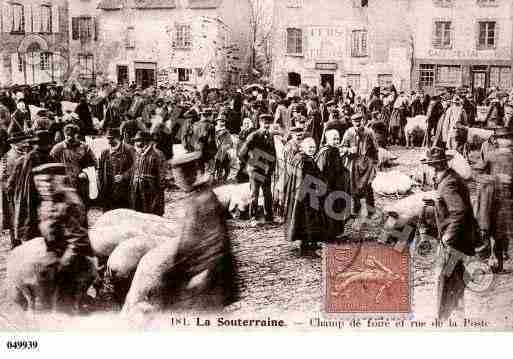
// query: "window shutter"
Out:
[304,41]
[95,28]
[74,28]
[496,36]
[25,18]
[6,20]
[55,19]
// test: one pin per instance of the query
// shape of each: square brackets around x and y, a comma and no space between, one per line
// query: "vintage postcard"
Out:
[265,165]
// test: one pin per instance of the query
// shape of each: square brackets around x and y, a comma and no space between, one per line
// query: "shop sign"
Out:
[326,66]
[500,53]
[325,43]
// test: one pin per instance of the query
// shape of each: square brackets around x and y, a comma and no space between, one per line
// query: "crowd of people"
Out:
[298,149]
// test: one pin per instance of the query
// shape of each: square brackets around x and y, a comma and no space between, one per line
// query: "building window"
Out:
[487,2]
[353,80]
[500,76]
[184,75]
[82,28]
[294,41]
[130,40]
[183,36]
[385,80]
[442,38]
[295,3]
[18,18]
[448,75]
[359,43]
[44,60]
[426,75]
[46,19]
[443,3]
[294,79]
[86,66]
[487,35]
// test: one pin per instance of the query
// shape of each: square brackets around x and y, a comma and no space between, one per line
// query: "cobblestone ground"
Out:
[275,279]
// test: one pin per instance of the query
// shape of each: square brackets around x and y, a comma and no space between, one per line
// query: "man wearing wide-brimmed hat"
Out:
[114,170]
[458,230]
[148,177]
[495,204]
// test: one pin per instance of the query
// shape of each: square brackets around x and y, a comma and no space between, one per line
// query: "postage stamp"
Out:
[366,278]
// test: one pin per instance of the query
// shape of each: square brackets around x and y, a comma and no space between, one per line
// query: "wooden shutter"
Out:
[304,41]
[95,28]
[75,28]
[55,19]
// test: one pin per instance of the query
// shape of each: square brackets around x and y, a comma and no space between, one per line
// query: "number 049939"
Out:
[22,345]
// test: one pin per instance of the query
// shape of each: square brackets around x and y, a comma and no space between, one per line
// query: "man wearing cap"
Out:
[114,170]
[447,131]
[148,177]
[76,156]
[224,144]
[21,187]
[361,150]
[62,224]
[21,117]
[259,154]
[20,145]
[458,230]
[497,162]
[204,136]
[204,244]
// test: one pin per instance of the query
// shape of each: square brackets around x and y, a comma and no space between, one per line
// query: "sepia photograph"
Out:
[274,165]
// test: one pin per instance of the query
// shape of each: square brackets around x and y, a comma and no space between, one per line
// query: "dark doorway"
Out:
[122,74]
[144,78]
[328,79]
[294,79]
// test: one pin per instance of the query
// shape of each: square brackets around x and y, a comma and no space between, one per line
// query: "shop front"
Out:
[443,70]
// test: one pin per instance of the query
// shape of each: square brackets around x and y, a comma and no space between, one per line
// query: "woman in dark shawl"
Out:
[305,223]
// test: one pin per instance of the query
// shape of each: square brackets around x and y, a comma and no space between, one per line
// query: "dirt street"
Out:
[274,279]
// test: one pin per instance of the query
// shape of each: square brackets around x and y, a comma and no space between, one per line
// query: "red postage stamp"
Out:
[366,278]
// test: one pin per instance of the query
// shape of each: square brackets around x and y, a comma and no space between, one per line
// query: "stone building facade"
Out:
[85,52]
[33,41]
[192,42]
[462,43]
[347,42]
